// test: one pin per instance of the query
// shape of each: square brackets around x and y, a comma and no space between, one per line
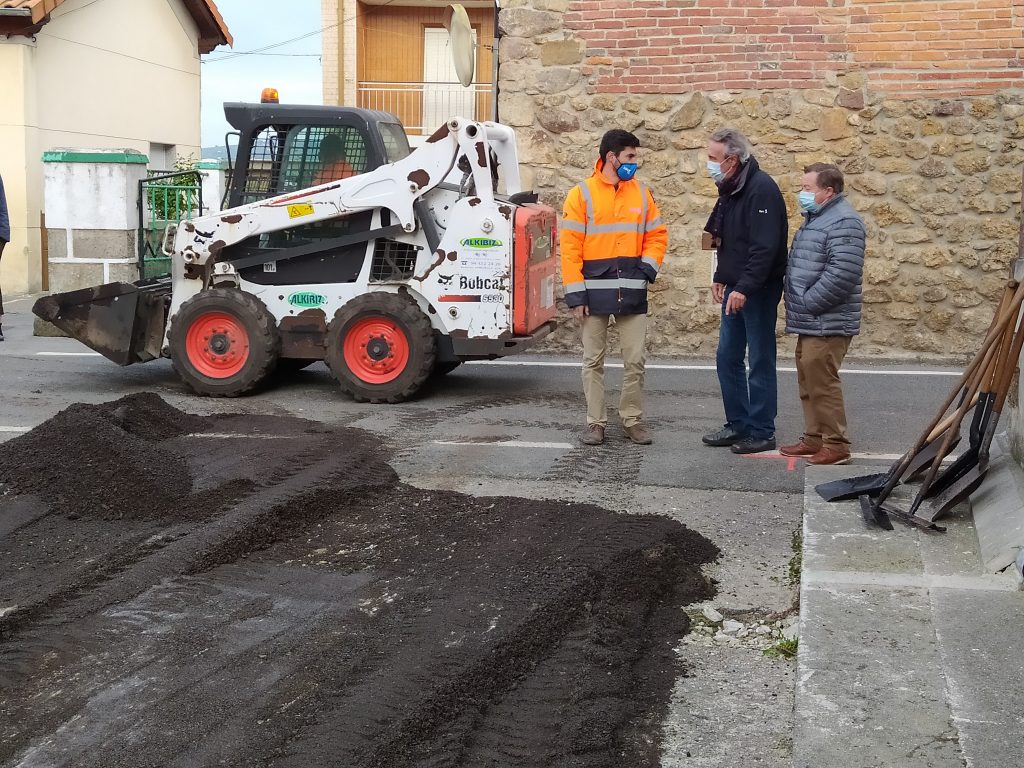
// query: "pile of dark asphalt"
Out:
[264,591]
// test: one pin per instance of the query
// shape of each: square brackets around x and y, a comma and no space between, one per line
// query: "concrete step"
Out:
[910,651]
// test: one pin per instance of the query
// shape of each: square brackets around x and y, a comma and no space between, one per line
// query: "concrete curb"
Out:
[998,508]
[909,650]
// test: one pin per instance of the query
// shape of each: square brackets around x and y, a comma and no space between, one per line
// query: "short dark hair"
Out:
[828,176]
[332,149]
[617,140]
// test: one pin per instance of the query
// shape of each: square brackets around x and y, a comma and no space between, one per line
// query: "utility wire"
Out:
[236,54]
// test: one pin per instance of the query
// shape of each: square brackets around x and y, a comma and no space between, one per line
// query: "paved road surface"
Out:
[496,429]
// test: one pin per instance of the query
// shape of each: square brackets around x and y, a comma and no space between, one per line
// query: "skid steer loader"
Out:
[339,244]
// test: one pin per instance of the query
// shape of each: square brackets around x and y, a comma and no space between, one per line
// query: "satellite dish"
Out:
[460,32]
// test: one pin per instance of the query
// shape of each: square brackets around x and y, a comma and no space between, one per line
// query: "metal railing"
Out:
[164,199]
[423,107]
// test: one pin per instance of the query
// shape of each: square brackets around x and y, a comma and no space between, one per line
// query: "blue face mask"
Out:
[807,203]
[626,171]
[715,171]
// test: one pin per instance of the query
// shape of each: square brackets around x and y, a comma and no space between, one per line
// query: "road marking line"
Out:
[69,354]
[507,444]
[649,366]
[696,367]
[229,435]
[15,429]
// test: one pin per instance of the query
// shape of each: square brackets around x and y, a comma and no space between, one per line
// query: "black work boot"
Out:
[723,437]
[754,445]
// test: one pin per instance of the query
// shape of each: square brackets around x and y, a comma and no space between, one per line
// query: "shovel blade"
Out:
[874,513]
[965,464]
[852,487]
[926,456]
[944,503]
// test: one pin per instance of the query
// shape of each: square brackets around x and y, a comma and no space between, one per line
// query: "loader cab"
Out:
[284,148]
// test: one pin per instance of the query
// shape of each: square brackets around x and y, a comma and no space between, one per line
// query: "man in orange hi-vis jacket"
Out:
[612,242]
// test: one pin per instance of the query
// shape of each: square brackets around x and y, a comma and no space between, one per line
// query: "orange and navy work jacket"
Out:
[612,242]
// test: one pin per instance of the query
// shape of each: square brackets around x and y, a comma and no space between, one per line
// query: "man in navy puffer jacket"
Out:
[824,274]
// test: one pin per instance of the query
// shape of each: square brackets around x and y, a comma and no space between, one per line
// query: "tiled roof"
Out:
[25,16]
[35,10]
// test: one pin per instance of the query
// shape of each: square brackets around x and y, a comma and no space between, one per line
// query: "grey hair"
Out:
[735,143]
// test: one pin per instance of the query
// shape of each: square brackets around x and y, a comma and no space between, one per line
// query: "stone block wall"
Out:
[921,103]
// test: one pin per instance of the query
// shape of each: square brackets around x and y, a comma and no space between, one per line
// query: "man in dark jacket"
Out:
[823,302]
[749,228]
[5,238]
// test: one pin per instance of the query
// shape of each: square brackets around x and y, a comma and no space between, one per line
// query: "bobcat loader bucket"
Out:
[124,322]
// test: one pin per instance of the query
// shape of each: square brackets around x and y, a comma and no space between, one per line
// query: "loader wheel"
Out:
[224,342]
[380,348]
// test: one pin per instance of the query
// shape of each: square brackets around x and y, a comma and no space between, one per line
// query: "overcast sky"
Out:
[255,24]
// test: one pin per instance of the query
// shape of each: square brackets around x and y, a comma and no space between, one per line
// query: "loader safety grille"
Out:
[393,261]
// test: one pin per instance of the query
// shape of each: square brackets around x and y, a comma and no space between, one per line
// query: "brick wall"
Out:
[674,46]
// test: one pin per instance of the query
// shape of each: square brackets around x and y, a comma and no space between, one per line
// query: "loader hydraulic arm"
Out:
[394,187]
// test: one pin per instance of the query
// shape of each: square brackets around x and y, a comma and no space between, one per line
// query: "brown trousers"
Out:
[818,359]
[632,335]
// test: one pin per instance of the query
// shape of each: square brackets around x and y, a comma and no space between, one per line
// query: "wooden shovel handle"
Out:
[943,425]
[991,347]
[1009,367]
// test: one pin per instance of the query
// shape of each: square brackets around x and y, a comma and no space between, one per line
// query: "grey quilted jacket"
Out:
[825,271]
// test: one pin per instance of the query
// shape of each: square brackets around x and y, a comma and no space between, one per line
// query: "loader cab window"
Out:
[396,143]
[264,166]
[315,155]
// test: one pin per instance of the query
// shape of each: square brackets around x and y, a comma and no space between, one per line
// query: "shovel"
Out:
[927,455]
[874,510]
[932,448]
[994,345]
[969,482]
[928,444]
[982,416]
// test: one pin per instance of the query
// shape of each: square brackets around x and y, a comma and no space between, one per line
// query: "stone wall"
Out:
[935,170]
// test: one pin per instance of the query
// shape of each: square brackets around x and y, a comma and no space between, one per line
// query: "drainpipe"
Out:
[494,62]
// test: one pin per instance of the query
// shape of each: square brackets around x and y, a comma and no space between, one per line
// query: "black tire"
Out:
[195,358]
[406,360]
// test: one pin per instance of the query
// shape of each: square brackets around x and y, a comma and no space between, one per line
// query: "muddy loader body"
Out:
[340,244]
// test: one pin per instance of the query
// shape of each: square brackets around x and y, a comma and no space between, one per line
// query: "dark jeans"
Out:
[3,243]
[751,403]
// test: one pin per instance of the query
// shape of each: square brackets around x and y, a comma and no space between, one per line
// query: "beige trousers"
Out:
[632,335]
[818,359]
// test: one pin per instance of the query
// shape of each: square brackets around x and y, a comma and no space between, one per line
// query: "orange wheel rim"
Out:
[376,350]
[217,345]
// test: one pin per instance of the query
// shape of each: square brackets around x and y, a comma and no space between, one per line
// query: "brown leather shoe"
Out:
[799,449]
[638,434]
[829,455]
[594,435]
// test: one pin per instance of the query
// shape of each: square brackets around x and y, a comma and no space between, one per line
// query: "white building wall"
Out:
[110,74]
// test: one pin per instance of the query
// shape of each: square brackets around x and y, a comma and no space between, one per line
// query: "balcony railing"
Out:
[423,107]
